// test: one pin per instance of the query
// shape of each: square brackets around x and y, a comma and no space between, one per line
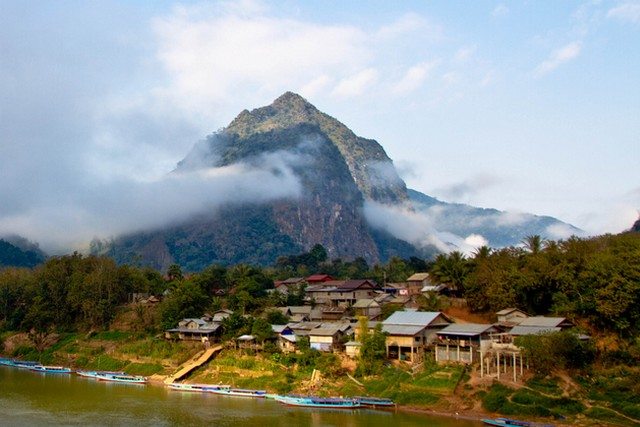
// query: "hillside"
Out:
[18,252]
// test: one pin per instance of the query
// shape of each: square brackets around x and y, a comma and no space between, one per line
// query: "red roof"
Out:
[317,278]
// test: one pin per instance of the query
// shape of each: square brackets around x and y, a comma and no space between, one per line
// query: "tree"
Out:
[261,330]
[174,273]
[372,349]
[276,317]
[186,300]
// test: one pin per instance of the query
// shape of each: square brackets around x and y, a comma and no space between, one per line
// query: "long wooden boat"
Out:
[239,392]
[51,369]
[121,378]
[508,422]
[320,402]
[201,388]
[375,402]
[24,364]
[95,374]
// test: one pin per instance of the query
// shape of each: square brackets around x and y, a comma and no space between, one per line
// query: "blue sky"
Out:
[521,106]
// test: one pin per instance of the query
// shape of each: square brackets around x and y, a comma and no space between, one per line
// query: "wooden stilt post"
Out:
[521,370]
[481,364]
[514,367]
[498,364]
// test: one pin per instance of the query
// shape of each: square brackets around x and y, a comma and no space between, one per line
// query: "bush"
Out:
[496,398]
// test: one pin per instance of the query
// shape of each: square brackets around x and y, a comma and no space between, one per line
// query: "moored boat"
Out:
[25,364]
[239,392]
[375,402]
[508,422]
[202,388]
[320,402]
[95,374]
[51,369]
[121,378]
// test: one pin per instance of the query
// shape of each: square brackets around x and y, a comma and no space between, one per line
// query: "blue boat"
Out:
[121,378]
[95,374]
[375,402]
[237,392]
[320,402]
[202,388]
[51,369]
[508,422]
[25,364]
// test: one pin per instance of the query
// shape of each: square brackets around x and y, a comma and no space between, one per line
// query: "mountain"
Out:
[636,226]
[16,251]
[339,174]
[499,228]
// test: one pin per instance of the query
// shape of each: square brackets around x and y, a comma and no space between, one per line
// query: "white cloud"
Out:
[500,10]
[628,12]
[408,23]
[414,77]
[315,86]
[560,231]
[475,241]
[558,57]
[356,84]
[125,205]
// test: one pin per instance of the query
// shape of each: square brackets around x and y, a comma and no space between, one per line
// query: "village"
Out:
[334,311]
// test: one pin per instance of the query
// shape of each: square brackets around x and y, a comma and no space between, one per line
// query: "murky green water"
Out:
[29,398]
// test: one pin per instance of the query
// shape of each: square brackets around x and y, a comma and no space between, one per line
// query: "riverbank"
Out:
[449,391]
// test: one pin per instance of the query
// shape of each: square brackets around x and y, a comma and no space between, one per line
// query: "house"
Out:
[410,332]
[333,313]
[540,325]
[464,342]
[417,281]
[314,279]
[293,284]
[297,313]
[367,307]
[437,289]
[247,342]
[352,349]
[194,330]
[328,336]
[511,316]
[220,315]
[343,293]
[286,338]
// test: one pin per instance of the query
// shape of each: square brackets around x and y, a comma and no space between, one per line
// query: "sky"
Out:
[520,106]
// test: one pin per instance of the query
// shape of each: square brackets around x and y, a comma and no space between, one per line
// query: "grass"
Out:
[154,348]
[617,388]
[528,402]
[146,369]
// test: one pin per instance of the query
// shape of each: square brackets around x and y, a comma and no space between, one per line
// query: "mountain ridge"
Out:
[337,171]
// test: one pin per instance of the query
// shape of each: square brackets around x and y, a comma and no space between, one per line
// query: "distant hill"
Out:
[16,251]
[500,228]
[636,226]
[338,171]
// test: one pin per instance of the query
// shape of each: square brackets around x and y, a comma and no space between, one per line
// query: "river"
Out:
[29,398]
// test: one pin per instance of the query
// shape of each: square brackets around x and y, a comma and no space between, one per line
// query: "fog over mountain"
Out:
[286,177]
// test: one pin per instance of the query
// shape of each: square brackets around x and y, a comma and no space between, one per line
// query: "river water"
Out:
[32,399]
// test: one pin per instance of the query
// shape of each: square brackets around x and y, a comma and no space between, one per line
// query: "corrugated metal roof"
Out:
[532,330]
[418,277]
[467,329]
[507,311]
[365,303]
[421,318]
[409,330]
[542,321]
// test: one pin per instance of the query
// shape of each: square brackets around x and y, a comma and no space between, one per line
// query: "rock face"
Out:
[337,170]
[636,226]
